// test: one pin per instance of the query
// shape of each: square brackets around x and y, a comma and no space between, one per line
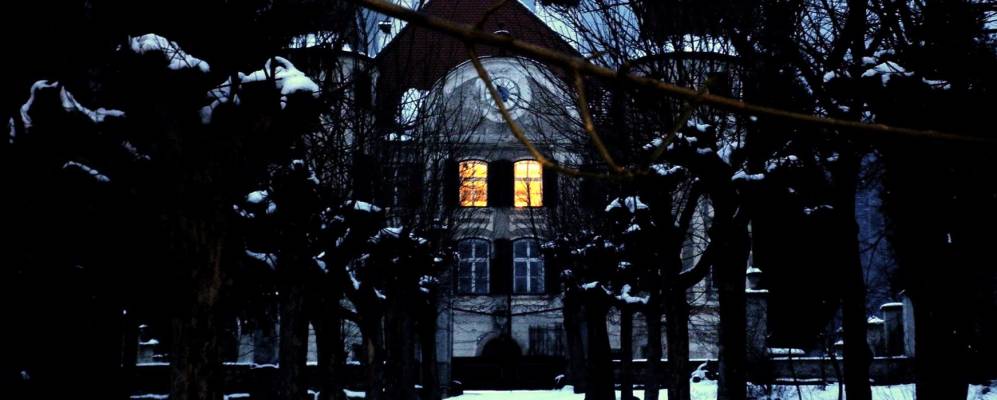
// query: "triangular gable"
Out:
[417,57]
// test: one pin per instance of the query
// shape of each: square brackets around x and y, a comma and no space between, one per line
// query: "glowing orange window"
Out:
[473,184]
[529,184]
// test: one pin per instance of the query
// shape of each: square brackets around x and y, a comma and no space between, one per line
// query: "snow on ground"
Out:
[708,391]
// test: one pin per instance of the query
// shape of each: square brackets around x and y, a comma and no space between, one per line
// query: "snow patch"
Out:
[822,207]
[365,207]
[257,197]
[626,297]
[90,171]
[217,96]
[742,175]
[286,77]
[631,203]
[68,103]
[269,258]
[178,59]
[653,144]
[886,71]
[665,170]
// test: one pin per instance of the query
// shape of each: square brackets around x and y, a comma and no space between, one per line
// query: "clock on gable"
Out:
[513,87]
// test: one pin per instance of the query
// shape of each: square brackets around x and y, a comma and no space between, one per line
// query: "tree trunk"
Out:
[627,353]
[293,343]
[936,351]
[400,375]
[430,373]
[575,333]
[129,354]
[857,356]
[677,328]
[652,315]
[373,337]
[731,263]
[196,365]
[329,344]
[599,366]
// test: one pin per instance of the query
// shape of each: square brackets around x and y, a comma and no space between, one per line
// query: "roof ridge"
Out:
[426,6]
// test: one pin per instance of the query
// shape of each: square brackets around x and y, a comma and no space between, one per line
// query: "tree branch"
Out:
[555,58]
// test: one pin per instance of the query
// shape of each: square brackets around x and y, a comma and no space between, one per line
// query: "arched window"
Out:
[527,267]
[529,184]
[472,268]
[473,183]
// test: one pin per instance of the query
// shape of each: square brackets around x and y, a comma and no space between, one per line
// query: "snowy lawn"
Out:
[700,391]
[708,391]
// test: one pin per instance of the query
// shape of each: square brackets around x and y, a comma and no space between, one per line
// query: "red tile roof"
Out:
[418,57]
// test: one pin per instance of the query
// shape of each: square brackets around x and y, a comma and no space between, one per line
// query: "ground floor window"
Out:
[528,267]
[472,274]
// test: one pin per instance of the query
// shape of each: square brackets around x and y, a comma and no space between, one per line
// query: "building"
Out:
[502,321]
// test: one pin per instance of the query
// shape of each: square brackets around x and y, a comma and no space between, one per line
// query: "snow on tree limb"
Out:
[217,96]
[742,175]
[269,259]
[177,58]
[626,297]
[631,203]
[89,170]
[289,80]
[66,101]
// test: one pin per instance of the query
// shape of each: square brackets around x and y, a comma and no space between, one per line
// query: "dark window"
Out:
[527,267]
[473,274]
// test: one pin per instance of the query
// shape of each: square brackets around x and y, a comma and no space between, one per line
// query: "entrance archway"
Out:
[503,354]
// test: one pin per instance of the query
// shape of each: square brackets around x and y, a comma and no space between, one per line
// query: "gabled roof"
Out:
[418,57]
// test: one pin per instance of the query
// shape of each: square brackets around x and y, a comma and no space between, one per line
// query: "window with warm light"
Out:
[473,183]
[529,184]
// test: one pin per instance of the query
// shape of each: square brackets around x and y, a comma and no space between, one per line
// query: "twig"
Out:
[583,109]
[472,36]
[517,131]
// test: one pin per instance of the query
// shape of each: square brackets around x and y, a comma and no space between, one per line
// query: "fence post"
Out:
[908,325]
[757,317]
[894,328]
[876,336]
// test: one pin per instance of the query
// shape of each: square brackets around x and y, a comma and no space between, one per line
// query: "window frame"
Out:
[528,182]
[474,262]
[465,184]
[534,265]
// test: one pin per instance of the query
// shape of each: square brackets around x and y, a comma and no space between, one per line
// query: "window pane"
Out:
[519,268]
[519,248]
[520,276]
[536,280]
[473,183]
[464,249]
[464,277]
[519,284]
[534,248]
[536,283]
[537,276]
[528,184]
[480,249]
[481,277]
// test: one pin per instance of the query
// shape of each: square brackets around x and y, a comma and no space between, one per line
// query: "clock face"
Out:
[508,91]
[513,91]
